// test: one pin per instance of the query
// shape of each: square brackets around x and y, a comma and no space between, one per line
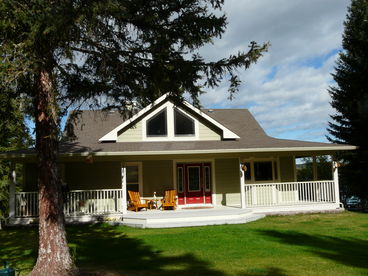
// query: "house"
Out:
[211,157]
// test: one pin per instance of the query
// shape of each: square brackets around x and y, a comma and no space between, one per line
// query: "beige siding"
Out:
[207,133]
[132,134]
[287,169]
[157,177]
[227,181]
[99,175]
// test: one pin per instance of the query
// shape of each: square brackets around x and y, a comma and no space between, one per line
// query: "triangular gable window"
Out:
[184,126]
[157,125]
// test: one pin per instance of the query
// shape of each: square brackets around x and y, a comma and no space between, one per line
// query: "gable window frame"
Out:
[170,121]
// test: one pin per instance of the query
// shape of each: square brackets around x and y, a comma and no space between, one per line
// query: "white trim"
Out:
[294,168]
[335,174]
[113,134]
[124,189]
[242,188]
[12,184]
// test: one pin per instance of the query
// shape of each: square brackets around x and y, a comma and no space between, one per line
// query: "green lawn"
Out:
[316,244]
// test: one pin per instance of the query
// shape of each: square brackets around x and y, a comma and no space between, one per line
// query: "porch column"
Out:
[242,188]
[124,188]
[12,183]
[335,171]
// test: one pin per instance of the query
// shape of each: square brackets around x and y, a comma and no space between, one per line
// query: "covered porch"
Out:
[232,199]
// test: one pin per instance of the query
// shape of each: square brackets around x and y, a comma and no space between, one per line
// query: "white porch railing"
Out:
[78,203]
[291,193]
[26,204]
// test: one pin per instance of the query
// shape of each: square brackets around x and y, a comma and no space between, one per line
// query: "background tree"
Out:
[304,169]
[350,99]
[109,53]
[13,135]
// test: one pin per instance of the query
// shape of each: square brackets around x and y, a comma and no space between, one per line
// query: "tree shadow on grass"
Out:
[348,251]
[18,246]
[100,248]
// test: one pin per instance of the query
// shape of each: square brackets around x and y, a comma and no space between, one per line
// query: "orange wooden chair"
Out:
[169,201]
[135,203]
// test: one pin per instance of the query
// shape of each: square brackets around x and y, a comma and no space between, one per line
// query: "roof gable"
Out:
[164,101]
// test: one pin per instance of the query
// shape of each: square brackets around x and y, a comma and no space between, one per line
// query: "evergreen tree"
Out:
[350,99]
[59,53]
[13,135]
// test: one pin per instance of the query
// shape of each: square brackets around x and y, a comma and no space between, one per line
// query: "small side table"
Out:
[154,203]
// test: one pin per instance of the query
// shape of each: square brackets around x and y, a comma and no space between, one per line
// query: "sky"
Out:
[286,90]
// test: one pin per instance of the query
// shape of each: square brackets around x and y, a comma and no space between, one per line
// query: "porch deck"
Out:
[189,217]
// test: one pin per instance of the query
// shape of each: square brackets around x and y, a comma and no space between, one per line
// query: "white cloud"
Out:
[287,89]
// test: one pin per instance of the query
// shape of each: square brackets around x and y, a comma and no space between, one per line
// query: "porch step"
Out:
[193,218]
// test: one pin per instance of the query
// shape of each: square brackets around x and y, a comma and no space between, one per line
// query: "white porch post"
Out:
[242,188]
[12,183]
[335,171]
[124,188]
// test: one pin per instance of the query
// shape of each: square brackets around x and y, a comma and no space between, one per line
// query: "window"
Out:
[157,125]
[194,179]
[180,179]
[207,178]
[132,181]
[263,171]
[183,124]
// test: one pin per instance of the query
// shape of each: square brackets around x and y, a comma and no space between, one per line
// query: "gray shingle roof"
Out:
[92,125]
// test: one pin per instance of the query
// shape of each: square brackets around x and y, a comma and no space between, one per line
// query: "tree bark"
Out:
[53,254]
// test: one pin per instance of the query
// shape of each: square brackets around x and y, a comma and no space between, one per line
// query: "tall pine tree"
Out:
[61,52]
[13,135]
[350,99]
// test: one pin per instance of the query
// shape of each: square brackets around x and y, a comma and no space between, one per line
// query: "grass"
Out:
[314,244]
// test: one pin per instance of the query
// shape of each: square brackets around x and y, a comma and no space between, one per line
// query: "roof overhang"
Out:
[208,151]
[188,152]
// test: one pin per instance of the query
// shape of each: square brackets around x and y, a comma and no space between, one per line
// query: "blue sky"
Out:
[287,89]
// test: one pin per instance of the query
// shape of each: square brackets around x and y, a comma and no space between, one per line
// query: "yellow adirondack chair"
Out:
[135,203]
[169,201]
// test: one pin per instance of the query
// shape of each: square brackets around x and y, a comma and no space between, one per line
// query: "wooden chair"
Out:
[135,203]
[169,201]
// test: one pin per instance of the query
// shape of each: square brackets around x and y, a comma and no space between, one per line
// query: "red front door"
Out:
[194,183]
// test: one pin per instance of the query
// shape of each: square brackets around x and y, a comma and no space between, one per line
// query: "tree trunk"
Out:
[53,253]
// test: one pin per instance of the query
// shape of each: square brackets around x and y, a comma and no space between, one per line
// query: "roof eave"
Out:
[186,152]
